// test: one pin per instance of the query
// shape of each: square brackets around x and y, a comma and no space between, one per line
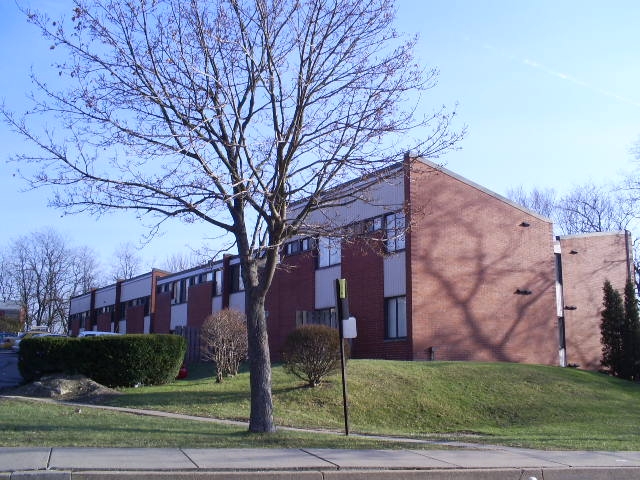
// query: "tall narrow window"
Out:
[396,317]
[145,302]
[217,282]
[329,251]
[236,279]
[184,291]
[395,231]
[307,244]
[176,292]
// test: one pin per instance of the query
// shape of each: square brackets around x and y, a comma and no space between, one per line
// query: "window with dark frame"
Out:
[395,317]
[145,303]
[184,292]
[175,292]
[217,282]
[395,231]
[236,278]
[293,247]
[329,251]
[373,224]
[298,246]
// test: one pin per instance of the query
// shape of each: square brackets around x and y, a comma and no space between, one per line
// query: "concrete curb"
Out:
[467,474]
[313,464]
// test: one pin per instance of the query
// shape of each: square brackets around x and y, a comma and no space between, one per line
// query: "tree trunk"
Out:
[261,417]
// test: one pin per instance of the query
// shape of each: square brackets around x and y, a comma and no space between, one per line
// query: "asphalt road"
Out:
[9,374]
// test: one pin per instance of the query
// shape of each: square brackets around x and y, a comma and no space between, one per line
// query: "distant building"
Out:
[12,316]
[475,277]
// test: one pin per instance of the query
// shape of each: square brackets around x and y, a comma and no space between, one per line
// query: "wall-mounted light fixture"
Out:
[524,224]
[522,292]
[570,307]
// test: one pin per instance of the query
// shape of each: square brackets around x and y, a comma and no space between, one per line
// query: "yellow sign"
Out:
[342,288]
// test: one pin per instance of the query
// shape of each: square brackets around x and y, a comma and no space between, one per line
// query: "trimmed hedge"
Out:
[312,352]
[111,360]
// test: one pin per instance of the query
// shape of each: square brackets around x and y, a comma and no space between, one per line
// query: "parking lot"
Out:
[9,374]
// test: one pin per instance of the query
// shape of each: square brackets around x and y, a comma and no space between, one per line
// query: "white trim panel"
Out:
[136,288]
[178,315]
[395,275]
[80,304]
[216,304]
[325,286]
[380,199]
[106,296]
[236,301]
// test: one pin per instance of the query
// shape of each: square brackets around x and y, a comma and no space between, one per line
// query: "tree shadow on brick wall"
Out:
[483,285]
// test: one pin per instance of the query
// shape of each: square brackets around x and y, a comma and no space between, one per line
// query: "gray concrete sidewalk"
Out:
[9,374]
[321,464]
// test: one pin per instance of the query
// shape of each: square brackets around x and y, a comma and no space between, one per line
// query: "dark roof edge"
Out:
[477,186]
[591,234]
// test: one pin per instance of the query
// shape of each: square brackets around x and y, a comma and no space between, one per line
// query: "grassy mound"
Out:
[512,404]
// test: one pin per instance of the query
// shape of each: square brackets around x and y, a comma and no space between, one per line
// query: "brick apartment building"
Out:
[475,277]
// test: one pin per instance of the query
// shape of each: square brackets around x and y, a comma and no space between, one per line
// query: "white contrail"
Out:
[581,83]
[562,76]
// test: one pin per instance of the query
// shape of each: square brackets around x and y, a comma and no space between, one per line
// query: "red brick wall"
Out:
[363,267]
[293,289]
[199,304]
[162,314]
[74,329]
[469,255]
[135,319]
[104,322]
[598,257]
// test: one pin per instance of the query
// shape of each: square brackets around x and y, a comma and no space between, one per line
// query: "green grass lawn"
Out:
[36,424]
[508,404]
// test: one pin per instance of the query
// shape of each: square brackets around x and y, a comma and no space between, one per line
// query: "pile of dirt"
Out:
[70,388]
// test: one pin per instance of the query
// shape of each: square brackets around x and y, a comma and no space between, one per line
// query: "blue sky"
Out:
[549,90]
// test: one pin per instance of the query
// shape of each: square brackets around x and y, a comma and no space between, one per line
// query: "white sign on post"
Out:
[349,328]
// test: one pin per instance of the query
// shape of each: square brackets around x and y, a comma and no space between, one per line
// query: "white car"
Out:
[93,333]
[16,345]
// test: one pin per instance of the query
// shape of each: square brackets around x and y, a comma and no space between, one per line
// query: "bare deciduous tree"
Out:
[85,270]
[180,261]
[588,208]
[7,286]
[585,209]
[227,112]
[223,337]
[591,208]
[126,262]
[537,200]
[46,273]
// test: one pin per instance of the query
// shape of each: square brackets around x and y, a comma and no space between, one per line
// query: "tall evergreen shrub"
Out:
[631,333]
[611,329]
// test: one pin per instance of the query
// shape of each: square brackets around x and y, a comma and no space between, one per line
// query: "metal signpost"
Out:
[346,329]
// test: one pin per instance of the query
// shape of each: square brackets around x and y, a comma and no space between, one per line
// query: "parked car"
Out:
[4,335]
[94,333]
[30,334]
[7,341]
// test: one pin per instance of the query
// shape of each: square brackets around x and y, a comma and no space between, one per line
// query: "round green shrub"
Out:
[312,352]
